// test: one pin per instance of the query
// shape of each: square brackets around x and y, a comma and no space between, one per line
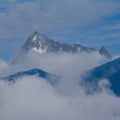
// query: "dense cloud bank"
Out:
[32,98]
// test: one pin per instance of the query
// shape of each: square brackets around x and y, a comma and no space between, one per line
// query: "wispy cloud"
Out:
[21,18]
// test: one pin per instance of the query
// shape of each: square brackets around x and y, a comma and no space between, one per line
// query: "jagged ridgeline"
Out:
[42,44]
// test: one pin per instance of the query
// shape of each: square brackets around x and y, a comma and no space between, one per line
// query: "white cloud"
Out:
[3,66]
[69,66]
[33,98]
[63,63]
[25,17]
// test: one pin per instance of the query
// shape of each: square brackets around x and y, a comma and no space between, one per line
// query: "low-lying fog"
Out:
[32,98]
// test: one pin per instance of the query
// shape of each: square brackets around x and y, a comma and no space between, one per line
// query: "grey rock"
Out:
[46,45]
[104,52]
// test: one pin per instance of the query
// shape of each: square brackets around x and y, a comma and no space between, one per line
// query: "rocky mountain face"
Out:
[109,71]
[104,52]
[42,44]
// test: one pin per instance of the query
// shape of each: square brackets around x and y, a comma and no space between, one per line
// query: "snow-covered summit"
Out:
[43,44]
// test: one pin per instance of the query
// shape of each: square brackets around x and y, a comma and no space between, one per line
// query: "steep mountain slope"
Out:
[51,78]
[104,52]
[42,44]
[109,71]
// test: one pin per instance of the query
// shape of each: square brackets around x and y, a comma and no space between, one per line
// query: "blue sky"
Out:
[93,23]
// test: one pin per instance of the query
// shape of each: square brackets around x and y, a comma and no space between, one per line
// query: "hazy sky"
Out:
[93,23]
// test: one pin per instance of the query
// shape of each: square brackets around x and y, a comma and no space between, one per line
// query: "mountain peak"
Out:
[35,42]
[104,52]
[43,44]
[36,37]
